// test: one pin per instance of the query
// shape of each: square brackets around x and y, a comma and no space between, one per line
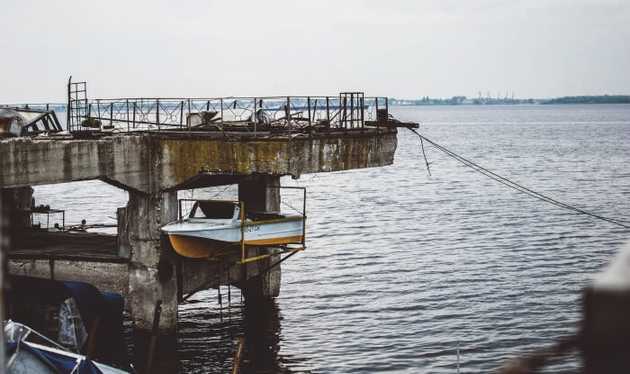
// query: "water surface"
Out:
[403,269]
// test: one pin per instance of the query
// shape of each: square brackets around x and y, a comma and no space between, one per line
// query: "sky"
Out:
[396,48]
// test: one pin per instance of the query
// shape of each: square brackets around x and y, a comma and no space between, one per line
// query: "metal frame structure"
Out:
[39,120]
[349,110]
[290,251]
[47,213]
[77,106]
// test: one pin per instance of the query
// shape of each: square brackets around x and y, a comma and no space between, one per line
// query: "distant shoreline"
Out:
[463,100]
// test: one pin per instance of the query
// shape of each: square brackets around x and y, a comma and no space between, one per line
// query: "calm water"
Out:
[402,269]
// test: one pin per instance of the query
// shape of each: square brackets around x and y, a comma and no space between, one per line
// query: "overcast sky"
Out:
[388,47]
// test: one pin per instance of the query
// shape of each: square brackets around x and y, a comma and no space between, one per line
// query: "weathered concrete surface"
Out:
[152,276]
[106,276]
[151,267]
[154,162]
[200,275]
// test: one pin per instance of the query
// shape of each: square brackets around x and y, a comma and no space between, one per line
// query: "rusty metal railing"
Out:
[349,110]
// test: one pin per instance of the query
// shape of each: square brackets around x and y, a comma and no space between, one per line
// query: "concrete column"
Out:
[152,278]
[262,328]
[122,241]
[257,196]
[16,200]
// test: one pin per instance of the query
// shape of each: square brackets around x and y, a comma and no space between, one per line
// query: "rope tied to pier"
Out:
[512,184]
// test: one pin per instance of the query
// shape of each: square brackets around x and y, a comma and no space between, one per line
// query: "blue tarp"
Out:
[92,304]
[62,364]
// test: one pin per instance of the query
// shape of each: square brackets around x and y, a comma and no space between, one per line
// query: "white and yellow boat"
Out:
[214,227]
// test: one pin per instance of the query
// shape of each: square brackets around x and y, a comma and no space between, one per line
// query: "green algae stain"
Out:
[183,159]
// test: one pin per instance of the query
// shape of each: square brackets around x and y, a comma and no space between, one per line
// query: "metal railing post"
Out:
[352,110]
[98,109]
[69,107]
[308,105]
[221,111]
[111,114]
[181,114]
[345,112]
[134,114]
[157,113]
[127,106]
[362,110]
[188,116]
[255,116]
[378,123]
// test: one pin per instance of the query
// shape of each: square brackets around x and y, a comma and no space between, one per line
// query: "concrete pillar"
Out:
[16,200]
[257,196]
[122,241]
[261,327]
[152,278]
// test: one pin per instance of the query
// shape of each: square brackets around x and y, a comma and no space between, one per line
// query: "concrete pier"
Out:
[155,162]
[139,263]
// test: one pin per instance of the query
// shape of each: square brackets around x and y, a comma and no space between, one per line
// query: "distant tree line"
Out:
[599,99]
[458,100]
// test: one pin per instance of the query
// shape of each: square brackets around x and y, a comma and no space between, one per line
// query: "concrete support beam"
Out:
[158,162]
[152,277]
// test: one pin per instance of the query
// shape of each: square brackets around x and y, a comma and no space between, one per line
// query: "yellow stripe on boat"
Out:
[276,241]
[192,247]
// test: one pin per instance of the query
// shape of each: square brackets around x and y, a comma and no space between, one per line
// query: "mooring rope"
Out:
[511,184]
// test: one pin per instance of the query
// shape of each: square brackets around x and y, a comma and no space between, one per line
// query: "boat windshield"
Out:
[213,209]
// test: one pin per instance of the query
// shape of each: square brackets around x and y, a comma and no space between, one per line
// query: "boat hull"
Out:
[194,241]
[193,247]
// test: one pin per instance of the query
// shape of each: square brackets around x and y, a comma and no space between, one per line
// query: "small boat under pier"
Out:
[216,228]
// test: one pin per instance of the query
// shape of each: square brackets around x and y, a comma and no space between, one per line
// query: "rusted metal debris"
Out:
[16,122]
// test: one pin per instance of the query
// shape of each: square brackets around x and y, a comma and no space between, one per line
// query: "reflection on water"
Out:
[209,334]
[262,337]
